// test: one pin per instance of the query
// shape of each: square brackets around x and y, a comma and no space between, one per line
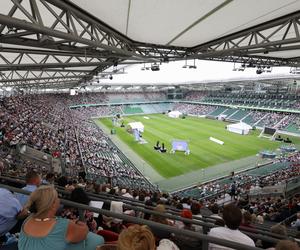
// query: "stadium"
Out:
[149,124]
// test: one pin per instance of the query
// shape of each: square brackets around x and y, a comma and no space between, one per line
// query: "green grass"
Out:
[197,131]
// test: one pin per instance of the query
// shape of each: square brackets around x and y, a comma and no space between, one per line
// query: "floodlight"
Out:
[295,70]
[155,67]
[269,69]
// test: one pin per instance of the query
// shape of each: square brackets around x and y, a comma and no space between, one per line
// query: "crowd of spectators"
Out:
[193,109]
[253,99]
[240,213]
[45,123]
[97,111]
[290,120]
[48,125]
[195,95]
[272,119]
[112,97]
[136,96]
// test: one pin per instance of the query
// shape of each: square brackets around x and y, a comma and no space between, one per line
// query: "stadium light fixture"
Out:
[155,67]
[241,68]
[193,66]
[260,70]
[295,70]
[234,68]
[145,67]
[190,66]
[185,64]
[251,65]
[269,69]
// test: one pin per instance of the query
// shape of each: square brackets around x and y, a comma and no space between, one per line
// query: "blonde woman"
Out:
[43,231]
[138,237]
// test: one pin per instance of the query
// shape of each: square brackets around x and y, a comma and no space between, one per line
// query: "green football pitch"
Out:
[196,131]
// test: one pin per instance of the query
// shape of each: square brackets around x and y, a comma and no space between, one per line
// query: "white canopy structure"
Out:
[239,128]
[73,43]
[136,125]
[174,114]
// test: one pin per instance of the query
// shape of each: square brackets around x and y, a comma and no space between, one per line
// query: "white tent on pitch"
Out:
[174,114]
[239,128]
[136,125]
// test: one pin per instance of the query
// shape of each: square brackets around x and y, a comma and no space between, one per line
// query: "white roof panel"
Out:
[160,21]
[236,16]
[190,22]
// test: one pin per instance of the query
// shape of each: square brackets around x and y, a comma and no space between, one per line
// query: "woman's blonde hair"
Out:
[158,218]
[136,238]
[41,200]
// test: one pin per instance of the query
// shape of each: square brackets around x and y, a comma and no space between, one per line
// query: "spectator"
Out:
[42,230]
[10,207]
[185,242]
[277,229]
[79,195]
[49,179]
[247,220]
[33,180]
[195,208]
[296,224]
[215,210]
[232,217]
[160,219]
[136,238]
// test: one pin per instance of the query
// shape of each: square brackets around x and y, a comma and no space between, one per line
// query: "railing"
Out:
[78,144]
[206,239]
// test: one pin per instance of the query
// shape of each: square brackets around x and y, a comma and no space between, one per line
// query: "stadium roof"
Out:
[54,42]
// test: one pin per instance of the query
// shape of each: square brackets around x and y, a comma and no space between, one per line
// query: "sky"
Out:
[172,73]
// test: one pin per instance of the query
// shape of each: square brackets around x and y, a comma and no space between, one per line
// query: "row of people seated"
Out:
[44,229]
[276,210]
[159,148]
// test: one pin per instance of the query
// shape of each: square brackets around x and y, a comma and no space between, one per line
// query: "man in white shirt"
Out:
[232,217]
